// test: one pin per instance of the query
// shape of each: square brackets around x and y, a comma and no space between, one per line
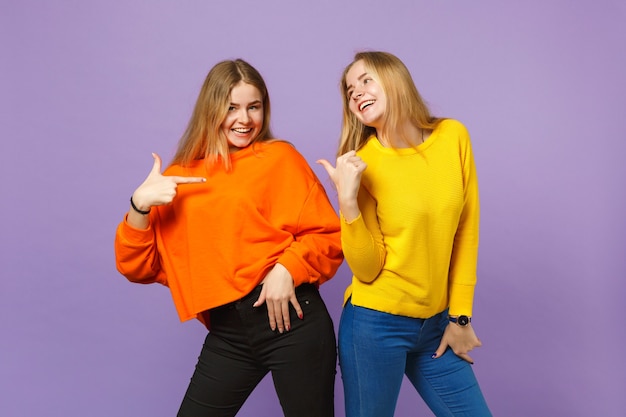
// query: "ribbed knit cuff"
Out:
[461,299]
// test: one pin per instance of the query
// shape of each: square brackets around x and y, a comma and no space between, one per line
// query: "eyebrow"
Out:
[249,104]
[358,79]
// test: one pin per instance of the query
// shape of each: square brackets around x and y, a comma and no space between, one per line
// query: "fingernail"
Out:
[434,356]
[288,327]
[300,316]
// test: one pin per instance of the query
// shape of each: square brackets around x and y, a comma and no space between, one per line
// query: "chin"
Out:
[238,145]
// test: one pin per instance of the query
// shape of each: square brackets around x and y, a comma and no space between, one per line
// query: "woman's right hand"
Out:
[156,190]
[346,176]
[461,340]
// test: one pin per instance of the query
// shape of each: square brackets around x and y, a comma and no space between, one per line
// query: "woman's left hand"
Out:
[277,292]
[460,339]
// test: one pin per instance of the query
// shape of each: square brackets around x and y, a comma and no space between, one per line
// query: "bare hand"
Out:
[460,339]
[346,175]
[277,292]
[157,189]
[347,179]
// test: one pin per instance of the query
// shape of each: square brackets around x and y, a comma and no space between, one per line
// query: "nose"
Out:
[356,94]
[244,117]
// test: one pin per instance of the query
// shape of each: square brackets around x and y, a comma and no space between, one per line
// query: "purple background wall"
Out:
[89,88]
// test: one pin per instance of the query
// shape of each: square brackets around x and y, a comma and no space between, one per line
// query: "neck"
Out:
[407,135]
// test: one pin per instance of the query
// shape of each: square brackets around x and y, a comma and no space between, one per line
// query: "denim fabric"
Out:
[377,349]
[241,349]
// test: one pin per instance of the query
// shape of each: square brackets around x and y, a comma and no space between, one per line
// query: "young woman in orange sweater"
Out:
[242,232]
[408,197]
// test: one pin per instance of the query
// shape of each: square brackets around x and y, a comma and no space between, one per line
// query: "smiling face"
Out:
[244,119]
[366,98]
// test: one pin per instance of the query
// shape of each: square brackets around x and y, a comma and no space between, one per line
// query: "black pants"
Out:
[241,349]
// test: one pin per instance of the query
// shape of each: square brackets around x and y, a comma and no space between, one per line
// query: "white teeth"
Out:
[366,103]
[242,130]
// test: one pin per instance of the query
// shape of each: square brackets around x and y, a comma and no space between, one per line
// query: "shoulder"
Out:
[287,165]
[451,126]
[279,146]
[454,131]
[283,150]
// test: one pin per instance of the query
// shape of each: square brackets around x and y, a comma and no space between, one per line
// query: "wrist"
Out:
[349,210]
[460,320]
[139,209]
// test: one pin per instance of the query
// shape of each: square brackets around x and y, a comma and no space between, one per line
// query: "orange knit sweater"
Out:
[216,241]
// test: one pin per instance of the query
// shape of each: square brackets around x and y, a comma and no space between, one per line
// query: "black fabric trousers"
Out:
[241,349]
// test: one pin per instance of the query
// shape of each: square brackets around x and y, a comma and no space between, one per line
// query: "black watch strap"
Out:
[460,320]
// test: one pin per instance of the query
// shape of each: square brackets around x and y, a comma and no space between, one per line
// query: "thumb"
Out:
[327,166]
[441,349]
[156,167]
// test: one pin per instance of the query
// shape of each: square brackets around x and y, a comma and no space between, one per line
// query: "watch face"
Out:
[463,320]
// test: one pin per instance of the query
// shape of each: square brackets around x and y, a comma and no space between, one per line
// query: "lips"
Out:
[366,104]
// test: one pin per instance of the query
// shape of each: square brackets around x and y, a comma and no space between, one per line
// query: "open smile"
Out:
[241,130]
[366,104]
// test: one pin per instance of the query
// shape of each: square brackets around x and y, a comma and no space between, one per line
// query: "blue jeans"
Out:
[377,349]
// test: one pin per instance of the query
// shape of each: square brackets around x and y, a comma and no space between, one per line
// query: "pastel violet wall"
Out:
[88,89]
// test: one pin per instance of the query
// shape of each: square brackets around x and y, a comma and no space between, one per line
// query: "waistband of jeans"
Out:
[256,292]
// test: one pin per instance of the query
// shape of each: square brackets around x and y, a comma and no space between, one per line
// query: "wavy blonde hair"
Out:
[203,138]
[404,102]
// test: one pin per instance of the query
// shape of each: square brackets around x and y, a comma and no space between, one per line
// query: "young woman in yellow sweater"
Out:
[242,232]
[408,197]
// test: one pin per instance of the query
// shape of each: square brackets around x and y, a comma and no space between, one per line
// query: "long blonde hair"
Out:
[203,138]
[404,102]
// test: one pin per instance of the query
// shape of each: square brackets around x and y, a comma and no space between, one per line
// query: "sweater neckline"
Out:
[373,139]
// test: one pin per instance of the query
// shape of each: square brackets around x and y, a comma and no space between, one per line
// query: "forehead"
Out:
[244,92]
[356,70]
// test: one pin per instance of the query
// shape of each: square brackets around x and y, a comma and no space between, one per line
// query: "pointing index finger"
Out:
[188,180]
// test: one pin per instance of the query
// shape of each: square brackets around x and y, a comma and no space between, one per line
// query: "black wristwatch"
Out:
[460,320]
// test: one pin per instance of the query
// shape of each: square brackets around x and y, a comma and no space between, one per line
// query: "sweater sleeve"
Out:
[315,255]
[464,258]
[362,240]
[136,254]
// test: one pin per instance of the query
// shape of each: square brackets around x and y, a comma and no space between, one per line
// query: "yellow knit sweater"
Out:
[413,250]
